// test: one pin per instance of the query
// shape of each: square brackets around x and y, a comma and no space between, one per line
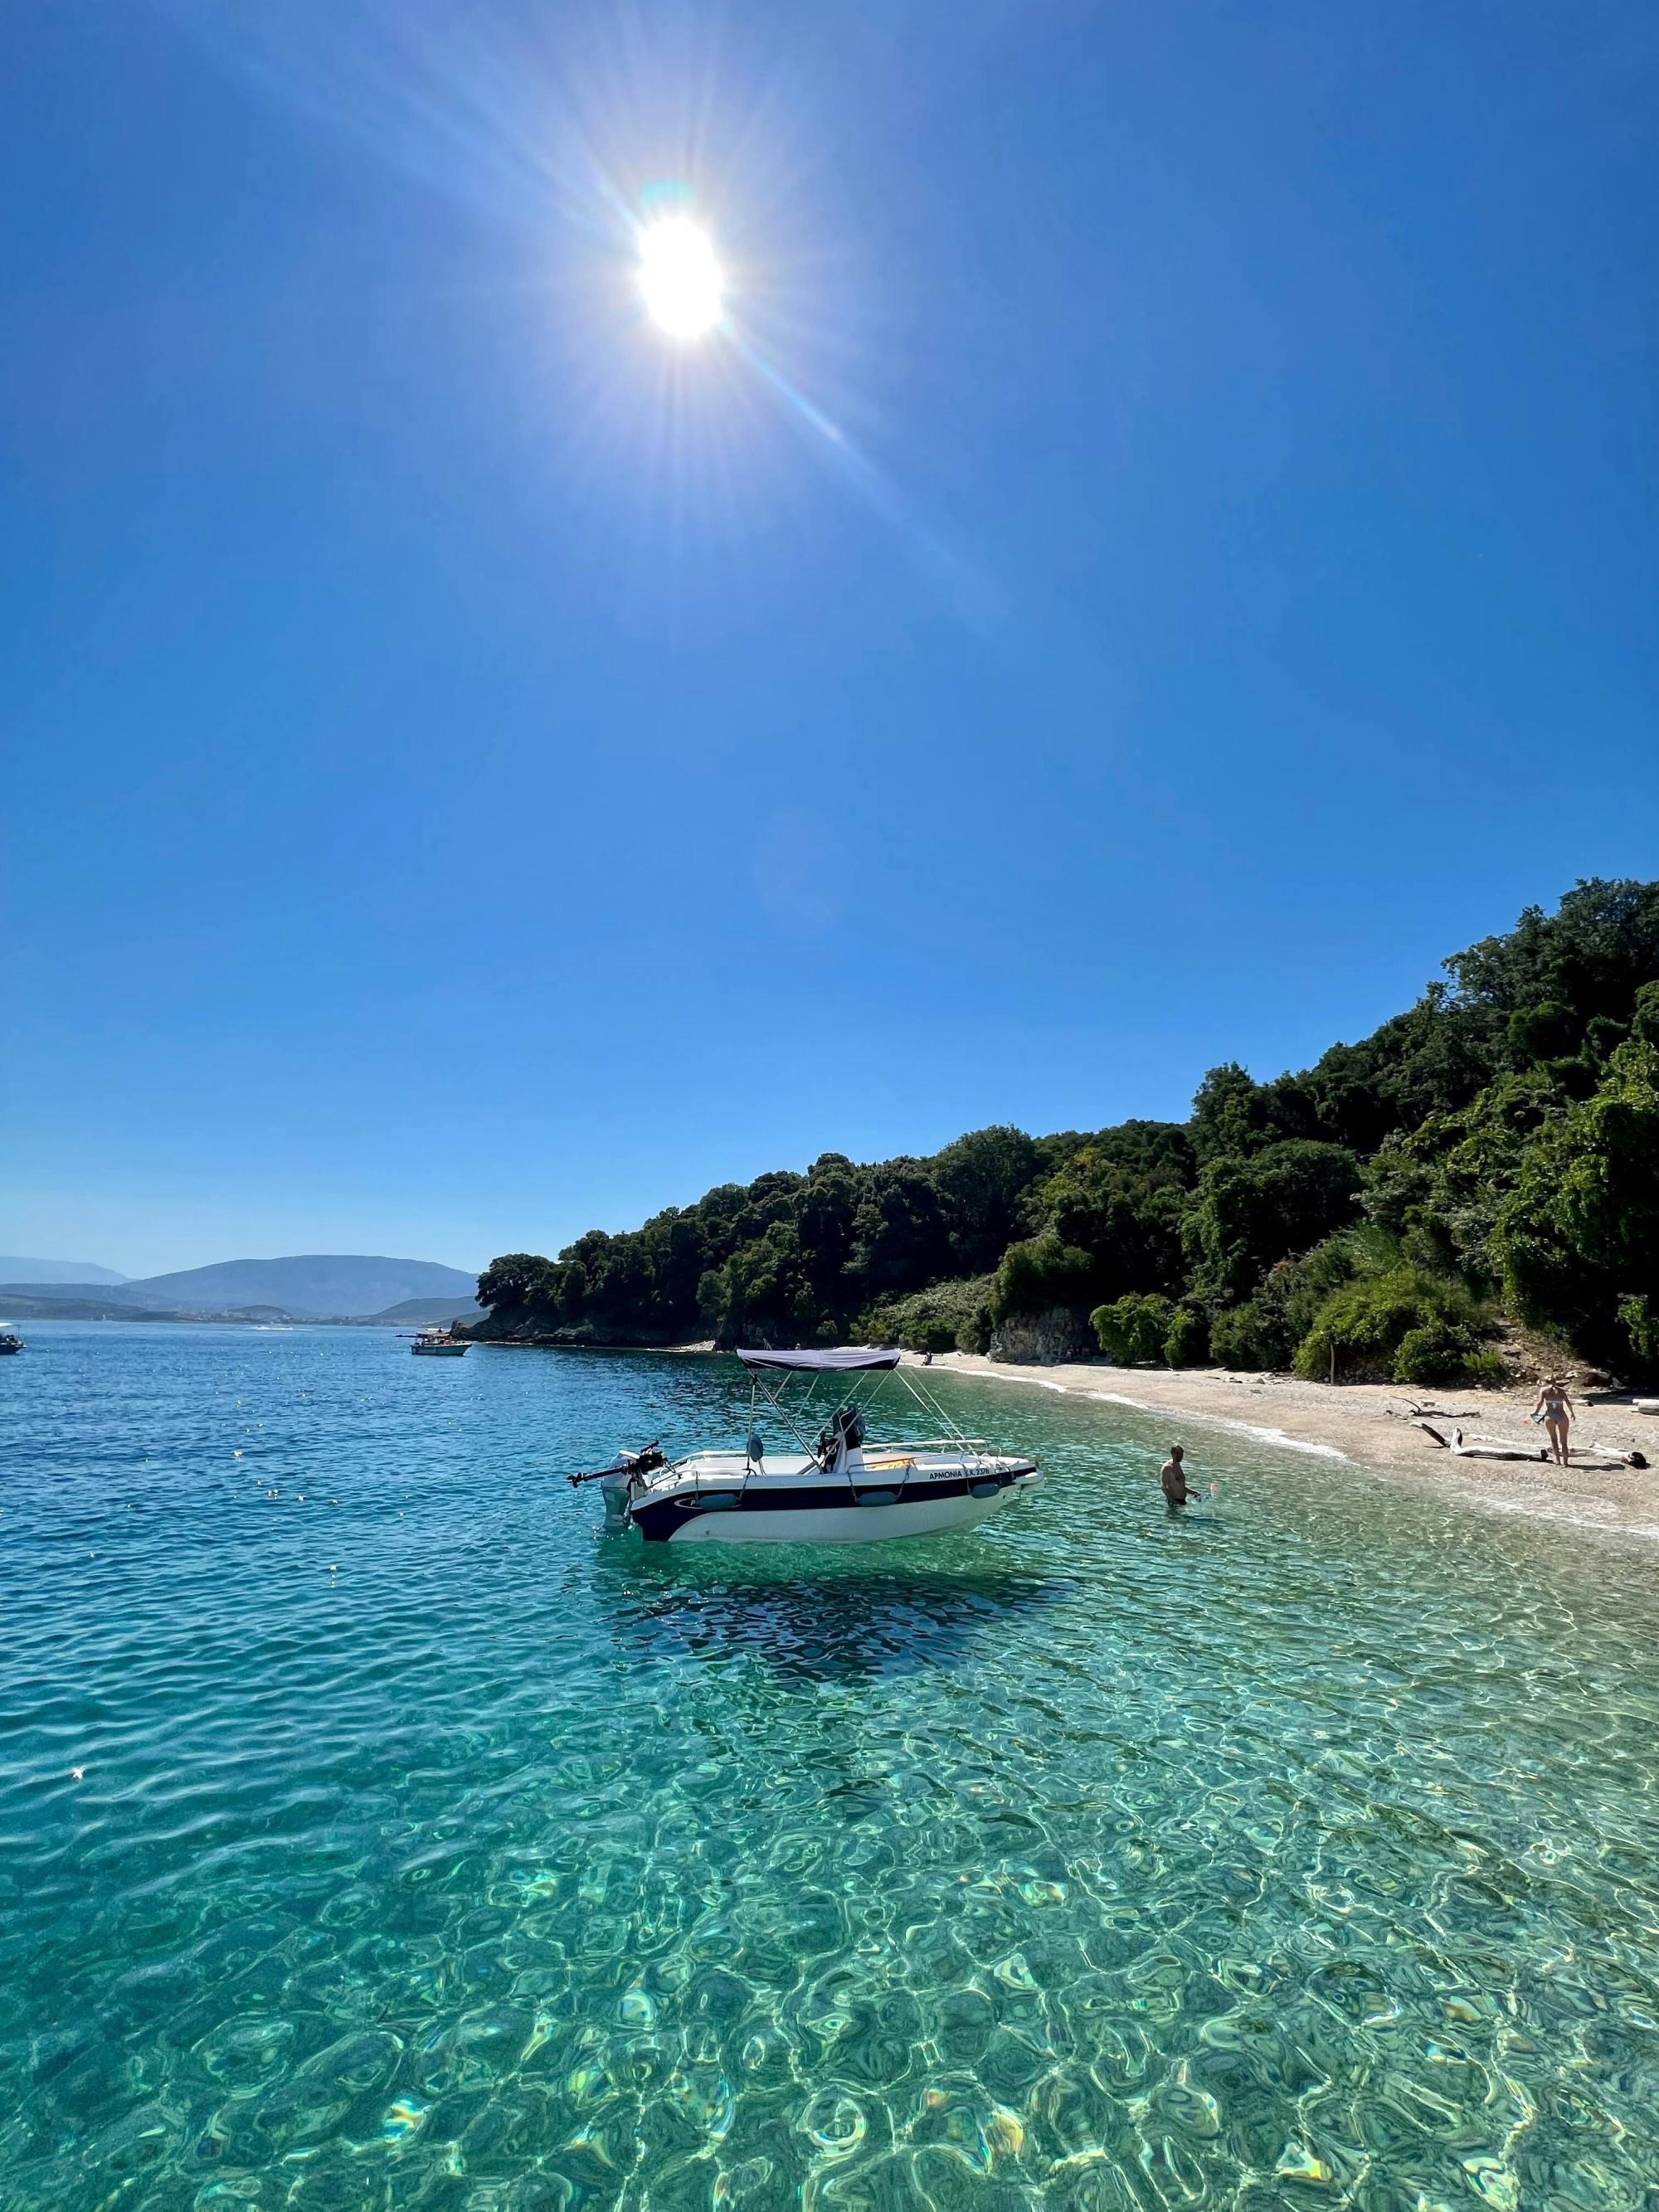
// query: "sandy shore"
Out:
[1372,1426]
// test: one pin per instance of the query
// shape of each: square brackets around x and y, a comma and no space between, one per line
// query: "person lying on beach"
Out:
[1173,1476]
[1557,1409]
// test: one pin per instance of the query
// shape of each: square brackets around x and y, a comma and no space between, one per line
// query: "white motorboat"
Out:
[841,1487]
[9,1339]
[437,1343]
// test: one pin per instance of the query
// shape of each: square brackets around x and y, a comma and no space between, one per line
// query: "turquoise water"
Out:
[430,1850]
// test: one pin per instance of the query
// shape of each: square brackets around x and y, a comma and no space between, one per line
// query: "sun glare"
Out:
[680,278]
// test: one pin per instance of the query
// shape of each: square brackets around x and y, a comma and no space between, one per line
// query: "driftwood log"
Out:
[1482,1447]
[1506,1448]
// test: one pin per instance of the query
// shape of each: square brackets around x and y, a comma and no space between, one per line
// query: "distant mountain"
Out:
[314,1284]
[415,1313]
[55,1271]
[24,1305]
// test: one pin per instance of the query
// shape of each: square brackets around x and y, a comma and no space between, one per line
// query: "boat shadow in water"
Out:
[805,1620]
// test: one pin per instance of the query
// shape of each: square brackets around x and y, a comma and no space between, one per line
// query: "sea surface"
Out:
[374,1832]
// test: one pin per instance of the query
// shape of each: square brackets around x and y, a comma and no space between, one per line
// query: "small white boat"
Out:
[841,1488]
[437,1343]
[9,1339]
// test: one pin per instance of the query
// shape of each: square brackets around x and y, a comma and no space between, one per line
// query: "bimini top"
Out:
[820,1363]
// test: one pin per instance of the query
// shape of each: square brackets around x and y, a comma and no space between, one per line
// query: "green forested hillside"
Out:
[1494,1150]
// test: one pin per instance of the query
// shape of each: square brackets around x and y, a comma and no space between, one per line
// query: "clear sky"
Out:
[1161,551]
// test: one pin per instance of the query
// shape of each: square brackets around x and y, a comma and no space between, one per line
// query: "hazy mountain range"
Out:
[310,1284]
[55,1270]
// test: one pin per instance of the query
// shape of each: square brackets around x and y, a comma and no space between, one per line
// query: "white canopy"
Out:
[820,1363]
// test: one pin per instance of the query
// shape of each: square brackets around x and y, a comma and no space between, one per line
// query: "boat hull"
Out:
[841,1524]
[825,1513]
[438,1351]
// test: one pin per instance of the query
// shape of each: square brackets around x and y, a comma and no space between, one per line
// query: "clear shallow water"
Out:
[430,1850]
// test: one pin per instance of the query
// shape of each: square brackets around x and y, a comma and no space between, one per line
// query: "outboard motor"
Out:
[613,1480]
[613,1489]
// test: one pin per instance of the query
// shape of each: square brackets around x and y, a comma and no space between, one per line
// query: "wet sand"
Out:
[1372,1425]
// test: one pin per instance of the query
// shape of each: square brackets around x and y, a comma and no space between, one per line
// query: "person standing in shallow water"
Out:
[1173,1476]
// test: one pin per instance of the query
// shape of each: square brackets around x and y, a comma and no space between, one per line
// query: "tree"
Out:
[1505,1099]
[1119,1198]
[1039,1273]
[1133,1331]
[899,1239]
[1230,1114]
[1247,1214]
[1441,1186]
[517,1280]
[1132,1234]
[828,1211]
[1577,1240]
[983,1179]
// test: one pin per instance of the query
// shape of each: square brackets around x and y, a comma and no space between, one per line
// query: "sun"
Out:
[682,282]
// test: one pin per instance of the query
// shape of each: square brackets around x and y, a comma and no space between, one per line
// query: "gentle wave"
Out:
[429,1848]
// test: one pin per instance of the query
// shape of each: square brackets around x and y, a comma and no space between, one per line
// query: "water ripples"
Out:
[428,1851]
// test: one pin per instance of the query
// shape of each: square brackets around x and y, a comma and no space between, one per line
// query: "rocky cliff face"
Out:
[1057,1338]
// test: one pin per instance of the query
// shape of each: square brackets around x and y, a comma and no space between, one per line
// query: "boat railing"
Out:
[927,1444]
[682,1471]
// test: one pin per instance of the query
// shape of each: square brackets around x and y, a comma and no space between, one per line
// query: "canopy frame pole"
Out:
[862,1386]
[774,1397]
[931,1405]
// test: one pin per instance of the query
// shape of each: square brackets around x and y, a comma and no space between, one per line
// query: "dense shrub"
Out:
[1638,1317]
[1187,1344]
[935,1334]
[1359,1330]
[1265,1330]
[947,1316]
[1133,1330]
[1253,1335]
[1445,1351]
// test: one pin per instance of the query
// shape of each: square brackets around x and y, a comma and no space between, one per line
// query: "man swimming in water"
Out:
[1173,1476]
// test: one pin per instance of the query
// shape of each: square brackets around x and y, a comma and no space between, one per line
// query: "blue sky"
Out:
[1164,552]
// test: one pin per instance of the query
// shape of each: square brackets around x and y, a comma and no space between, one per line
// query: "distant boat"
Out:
[9,1339]
[437,1343]
[841,1488]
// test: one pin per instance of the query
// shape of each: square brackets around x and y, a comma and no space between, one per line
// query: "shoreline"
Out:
[1367,1424]
[1370,1425]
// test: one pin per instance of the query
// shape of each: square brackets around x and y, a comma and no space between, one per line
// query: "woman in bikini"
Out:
[1557,1409]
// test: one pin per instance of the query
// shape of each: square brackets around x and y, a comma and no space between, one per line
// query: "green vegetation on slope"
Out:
[1493,1149]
